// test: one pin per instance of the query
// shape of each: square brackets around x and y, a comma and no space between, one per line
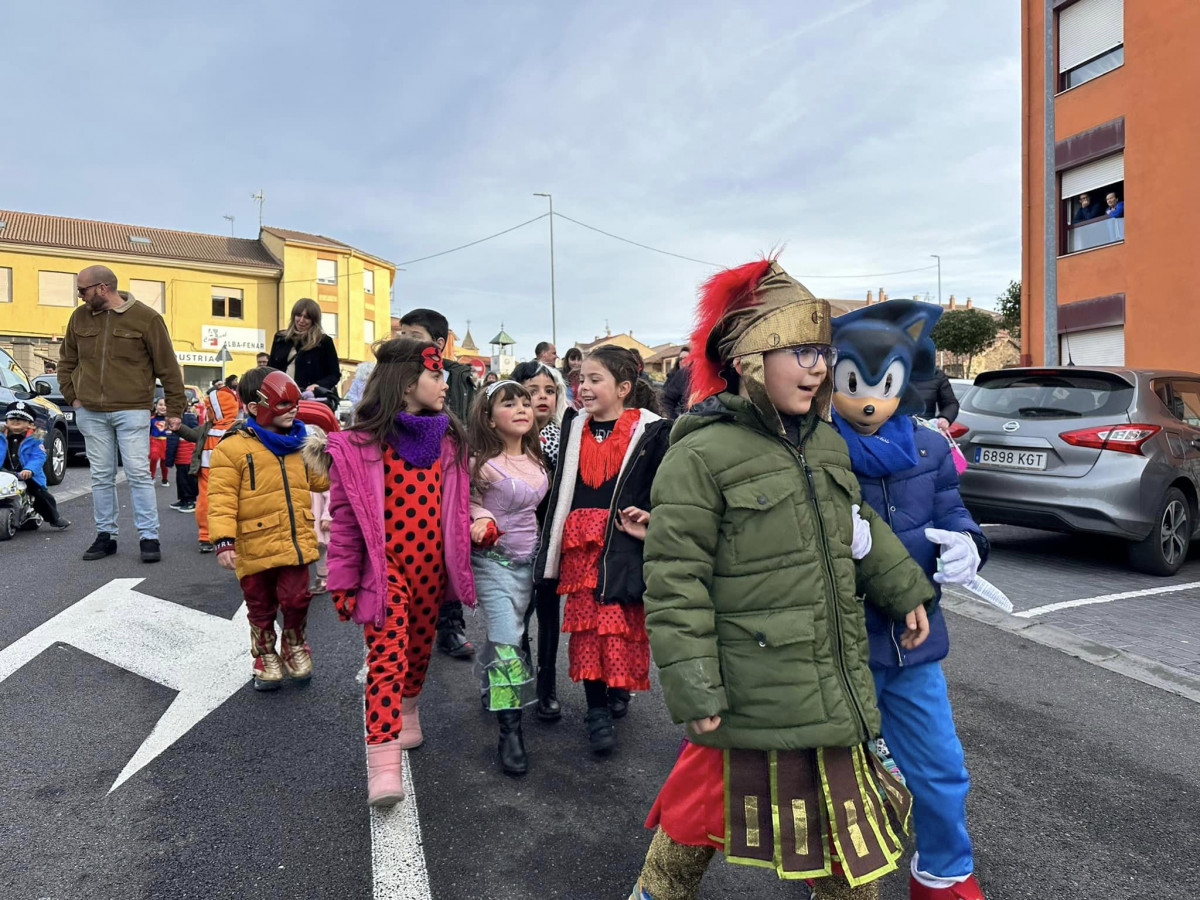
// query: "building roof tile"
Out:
[110,237]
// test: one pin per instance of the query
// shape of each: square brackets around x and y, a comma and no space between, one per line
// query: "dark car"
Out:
[1109,451]
[15,385]
[74,435]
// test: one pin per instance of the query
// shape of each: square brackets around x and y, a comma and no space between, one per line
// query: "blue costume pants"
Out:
[919,729]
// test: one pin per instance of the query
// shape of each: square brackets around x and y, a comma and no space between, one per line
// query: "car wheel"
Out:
[1165,549]
[56,458]
[8,524]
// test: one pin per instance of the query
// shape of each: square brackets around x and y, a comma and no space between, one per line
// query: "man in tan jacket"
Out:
[113,350]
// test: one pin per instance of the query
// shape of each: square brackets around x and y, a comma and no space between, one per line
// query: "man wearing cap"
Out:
[113,350]
[25,457]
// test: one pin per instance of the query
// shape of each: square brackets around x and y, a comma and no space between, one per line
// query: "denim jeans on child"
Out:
[103,433]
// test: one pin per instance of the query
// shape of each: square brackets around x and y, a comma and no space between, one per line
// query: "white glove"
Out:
[960,556]
[861,545]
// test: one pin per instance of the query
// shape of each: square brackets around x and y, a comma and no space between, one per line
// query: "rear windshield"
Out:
[1052,395]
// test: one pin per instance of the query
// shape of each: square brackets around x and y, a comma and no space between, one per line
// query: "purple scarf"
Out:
[418,439]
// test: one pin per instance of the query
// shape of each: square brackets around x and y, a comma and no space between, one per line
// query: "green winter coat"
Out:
[752,597]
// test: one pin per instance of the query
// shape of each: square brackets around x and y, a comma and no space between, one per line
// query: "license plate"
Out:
[1010,459]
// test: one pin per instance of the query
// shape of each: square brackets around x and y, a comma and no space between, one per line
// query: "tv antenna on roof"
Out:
[259,198]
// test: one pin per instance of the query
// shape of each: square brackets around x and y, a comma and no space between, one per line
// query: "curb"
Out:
[1131,665]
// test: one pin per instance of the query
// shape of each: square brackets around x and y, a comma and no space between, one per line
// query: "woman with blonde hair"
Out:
[306,353]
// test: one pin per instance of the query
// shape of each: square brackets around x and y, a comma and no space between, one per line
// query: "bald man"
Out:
[113,350]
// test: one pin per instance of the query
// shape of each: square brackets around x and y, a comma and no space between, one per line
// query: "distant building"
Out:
[504,360]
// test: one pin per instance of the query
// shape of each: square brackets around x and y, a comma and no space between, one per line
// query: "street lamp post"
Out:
[553,305]
[939,259]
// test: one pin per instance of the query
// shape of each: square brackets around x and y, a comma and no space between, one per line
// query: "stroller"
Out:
[16,507]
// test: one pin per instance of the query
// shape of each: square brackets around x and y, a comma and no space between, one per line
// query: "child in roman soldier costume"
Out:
[906,469]
[755,552]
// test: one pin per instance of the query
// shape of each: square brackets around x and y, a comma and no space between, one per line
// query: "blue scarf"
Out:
[893,448]
[280,444]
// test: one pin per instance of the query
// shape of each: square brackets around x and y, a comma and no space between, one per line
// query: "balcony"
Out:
[1095,233]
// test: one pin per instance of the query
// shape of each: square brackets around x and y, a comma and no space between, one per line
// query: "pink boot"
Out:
[964,890]
[384,762]
[410,724]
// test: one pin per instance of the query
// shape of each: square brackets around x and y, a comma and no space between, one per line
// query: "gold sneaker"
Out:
[297,656]
[268,667]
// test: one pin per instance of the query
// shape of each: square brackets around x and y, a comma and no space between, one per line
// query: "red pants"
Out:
[284,588]
[158,457]
[398,656]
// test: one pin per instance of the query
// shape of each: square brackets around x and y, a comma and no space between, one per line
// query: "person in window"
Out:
[1116,206]
[306,353]
[1087,210]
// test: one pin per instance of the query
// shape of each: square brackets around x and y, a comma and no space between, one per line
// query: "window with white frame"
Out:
[326,271]
[329,323]
[152,293]
[56,289]
[369,331]
[5,285]
[368,281]
[226,303]
[1091,40]
[1093,203]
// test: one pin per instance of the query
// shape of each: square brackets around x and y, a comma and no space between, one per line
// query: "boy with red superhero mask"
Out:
[261,521]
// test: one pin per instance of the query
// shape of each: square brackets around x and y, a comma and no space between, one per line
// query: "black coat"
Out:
[621,560]
[316,366]
[674,399]
[938,396]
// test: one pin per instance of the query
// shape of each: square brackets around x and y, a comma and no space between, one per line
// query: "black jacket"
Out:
[674,399]
[316,366]
[938,396]
[620,578]
[462,389]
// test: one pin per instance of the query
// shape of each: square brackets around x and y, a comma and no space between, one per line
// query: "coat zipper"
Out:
[104,355]
[250,463]
[830,580]
[287,492]
[612,508]
[887,514]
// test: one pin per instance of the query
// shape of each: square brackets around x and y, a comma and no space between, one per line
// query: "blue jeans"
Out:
[103,433]
[918,726]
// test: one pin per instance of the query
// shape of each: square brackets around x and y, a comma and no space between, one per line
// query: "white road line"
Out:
[1106,598]
[397,854]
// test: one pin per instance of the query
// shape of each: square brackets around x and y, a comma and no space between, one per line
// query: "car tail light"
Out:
[957,430]
[1122,438]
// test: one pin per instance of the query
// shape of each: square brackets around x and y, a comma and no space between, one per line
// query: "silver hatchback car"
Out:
[1104,450]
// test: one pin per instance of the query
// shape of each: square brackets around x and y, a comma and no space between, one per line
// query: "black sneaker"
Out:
[207,547]
[601,735]
[185,508]
[618,702]
[104,545]
[455,644]
[176,504]
[61,524]
[151,551]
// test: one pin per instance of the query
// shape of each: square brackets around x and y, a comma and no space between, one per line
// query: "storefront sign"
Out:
[203,359]
[243,340]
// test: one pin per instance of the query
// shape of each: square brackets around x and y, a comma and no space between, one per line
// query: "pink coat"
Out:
[357,554]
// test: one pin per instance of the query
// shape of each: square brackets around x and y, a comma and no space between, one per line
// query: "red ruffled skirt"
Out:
[608,640]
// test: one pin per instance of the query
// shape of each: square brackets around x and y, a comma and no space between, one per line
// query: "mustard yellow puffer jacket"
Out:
[263,502]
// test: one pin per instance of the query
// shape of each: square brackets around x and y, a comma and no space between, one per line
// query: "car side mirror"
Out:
[42,389]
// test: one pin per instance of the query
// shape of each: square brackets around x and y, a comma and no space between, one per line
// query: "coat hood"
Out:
[315,451]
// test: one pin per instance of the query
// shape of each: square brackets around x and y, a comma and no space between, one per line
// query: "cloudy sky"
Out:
[859,135]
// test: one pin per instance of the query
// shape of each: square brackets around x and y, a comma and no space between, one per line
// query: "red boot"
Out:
[964,890]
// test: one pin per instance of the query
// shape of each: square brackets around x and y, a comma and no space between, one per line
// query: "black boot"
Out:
[601,734]
[618,702]
[548,707]
[512,744]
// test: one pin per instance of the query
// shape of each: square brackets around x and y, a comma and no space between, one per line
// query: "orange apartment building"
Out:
[1110,97]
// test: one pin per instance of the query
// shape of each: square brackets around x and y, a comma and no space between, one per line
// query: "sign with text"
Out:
[244,340]
[203,359]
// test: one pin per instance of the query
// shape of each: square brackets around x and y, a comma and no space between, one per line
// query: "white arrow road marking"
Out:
[397,854]
[203,657]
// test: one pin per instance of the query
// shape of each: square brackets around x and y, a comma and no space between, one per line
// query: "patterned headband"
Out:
[492,388]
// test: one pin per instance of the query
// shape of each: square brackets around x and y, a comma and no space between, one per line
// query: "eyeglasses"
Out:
[808,355]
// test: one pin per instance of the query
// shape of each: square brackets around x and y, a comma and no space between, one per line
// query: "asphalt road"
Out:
[1086,783]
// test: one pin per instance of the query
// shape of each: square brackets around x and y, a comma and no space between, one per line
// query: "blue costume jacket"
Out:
[32,456]
[911,500]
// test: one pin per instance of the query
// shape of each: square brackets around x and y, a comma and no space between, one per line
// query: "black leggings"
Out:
[43,501]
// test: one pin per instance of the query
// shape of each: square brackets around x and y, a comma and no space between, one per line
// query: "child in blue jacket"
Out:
[907,475]
[25,457]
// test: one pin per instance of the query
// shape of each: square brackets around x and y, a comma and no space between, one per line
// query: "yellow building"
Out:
[213,291]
